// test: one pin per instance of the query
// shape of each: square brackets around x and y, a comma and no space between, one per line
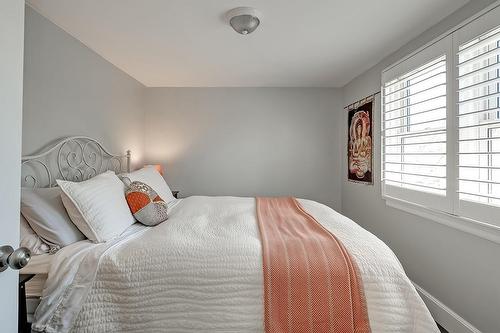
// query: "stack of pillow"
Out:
[95,209]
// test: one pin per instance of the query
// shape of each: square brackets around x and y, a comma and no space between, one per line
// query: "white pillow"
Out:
[148,175]
[97,206]
[45,213]
[31,240]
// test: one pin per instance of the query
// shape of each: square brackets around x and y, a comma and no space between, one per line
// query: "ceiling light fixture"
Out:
[244,20]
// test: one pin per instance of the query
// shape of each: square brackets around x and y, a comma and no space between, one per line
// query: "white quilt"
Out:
[201,271]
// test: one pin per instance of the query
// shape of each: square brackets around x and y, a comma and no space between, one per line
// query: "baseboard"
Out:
[445,316]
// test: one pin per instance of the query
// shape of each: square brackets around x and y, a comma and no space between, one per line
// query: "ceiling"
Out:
[300,43]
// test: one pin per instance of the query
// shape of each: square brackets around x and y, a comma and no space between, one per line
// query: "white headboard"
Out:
[74,158]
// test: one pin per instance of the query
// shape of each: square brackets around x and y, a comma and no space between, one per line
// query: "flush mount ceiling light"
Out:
[244,20]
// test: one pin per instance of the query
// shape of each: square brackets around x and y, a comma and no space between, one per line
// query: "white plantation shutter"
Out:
[478,113]
[414,124]
[415,129]
[441,124]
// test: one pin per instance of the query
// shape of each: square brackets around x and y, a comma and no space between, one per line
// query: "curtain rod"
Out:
[362,101]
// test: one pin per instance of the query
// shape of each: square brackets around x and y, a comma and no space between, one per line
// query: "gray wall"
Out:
[212,141]
[70,90]
[11,92]
[247,141]
[459,269]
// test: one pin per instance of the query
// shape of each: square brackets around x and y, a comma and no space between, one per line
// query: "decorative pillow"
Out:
[97,206]
[146,205]
[149,175]
[45,213]
[31,240]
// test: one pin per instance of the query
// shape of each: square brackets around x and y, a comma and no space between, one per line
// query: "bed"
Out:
[200,271]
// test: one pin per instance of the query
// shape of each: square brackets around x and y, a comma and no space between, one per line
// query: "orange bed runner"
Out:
[311,284]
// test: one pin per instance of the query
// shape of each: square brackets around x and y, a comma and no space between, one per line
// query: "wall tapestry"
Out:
[360,144]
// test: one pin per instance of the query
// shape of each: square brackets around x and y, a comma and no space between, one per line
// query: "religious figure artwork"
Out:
[360,145]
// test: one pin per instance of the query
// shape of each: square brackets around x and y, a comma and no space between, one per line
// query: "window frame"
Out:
[432,52]
[490,20]
[471,217]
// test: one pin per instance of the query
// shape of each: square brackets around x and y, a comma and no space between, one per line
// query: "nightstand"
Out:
[22,320]
[175,194]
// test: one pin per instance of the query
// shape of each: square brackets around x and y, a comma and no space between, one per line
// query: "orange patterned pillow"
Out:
[145,204]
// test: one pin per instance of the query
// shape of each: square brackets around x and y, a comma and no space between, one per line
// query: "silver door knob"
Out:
[14,259]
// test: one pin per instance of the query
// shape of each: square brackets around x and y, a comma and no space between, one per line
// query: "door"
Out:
[11,94]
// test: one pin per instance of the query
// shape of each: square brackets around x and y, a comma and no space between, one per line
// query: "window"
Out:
[441,124]
[414,127]
[479,121]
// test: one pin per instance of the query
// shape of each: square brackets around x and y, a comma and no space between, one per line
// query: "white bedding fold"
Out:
[201,270]
[71,275]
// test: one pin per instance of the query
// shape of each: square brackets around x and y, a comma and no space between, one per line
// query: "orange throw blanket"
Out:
[311,284]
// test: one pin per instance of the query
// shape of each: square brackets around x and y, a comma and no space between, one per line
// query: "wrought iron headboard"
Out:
[74,158]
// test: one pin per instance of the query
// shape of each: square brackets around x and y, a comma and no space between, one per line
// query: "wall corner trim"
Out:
[445,316]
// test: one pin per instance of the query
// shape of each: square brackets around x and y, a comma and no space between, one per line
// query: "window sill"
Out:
[480,229]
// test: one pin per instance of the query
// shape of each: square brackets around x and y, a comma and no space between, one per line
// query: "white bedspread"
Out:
[201,271]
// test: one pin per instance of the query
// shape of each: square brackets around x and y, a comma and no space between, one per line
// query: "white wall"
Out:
[459,269]
[71,90]
[247,141]
[11,92]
